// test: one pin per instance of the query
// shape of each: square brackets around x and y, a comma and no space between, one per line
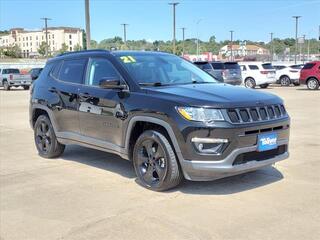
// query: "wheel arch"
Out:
[37,110]
[139,124]
[312,77]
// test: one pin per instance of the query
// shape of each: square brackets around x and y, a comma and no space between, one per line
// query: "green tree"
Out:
[77,47]
[12,51]
[42,48]
[63,49]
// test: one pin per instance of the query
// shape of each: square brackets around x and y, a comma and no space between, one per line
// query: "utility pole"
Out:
[46,28]
[183,30]
[302,46]
[87,10]
[174,4]
[125,33]
[308,56]
[198,48]
[271,46]
[231,38]
[295,55]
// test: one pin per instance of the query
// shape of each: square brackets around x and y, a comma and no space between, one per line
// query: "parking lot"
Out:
[88,194]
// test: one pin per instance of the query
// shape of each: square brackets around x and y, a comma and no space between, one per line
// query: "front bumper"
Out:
[20,83]
[211,170]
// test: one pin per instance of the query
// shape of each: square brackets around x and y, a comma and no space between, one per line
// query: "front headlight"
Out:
[200,114]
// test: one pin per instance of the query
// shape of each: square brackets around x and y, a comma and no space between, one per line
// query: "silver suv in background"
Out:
[227,72]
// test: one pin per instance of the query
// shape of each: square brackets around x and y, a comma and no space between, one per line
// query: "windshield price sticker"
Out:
[128,59]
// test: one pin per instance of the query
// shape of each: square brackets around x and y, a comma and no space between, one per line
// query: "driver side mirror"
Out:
[111,83]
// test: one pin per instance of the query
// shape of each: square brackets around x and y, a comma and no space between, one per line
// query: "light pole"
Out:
[87,10]
[295,55]
[46,28]
[174,4]
[302,46]
[125,33]
[271,46]
[198,48]
[183,30]
[231,38]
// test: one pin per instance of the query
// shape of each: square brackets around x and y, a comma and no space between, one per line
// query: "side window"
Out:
[55,70]
[253,67]
[72,70]
[98,69]
[243,68]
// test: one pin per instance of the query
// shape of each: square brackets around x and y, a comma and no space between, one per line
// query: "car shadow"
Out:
[225,186]
[306,89]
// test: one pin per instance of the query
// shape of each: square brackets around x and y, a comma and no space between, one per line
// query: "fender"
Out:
[48,110]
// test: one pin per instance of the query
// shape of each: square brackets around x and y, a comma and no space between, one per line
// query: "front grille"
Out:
[256,114]
[259,156]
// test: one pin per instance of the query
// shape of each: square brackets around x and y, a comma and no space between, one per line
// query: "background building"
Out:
[29,41]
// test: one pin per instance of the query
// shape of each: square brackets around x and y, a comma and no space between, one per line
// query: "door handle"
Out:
[84,95]
[53,90]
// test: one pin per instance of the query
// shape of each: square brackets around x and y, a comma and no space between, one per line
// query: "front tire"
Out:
[313,84]
[6,86]
[250,83]
[45,138]
[285,81]
[155,162]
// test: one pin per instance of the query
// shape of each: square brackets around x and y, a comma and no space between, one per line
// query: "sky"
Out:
[152,19]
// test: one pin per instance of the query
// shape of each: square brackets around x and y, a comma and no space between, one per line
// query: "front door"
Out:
[101,110]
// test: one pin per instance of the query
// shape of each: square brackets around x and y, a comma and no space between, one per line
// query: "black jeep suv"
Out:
[167,116]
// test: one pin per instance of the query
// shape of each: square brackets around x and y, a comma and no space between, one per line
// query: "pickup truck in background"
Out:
[11,77]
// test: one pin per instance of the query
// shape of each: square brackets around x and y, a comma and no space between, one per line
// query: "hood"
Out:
[214,95]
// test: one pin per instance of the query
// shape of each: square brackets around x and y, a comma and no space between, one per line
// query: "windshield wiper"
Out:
[154,84]
[199,82]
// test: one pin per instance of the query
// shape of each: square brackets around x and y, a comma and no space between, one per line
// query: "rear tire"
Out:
[285,81]
[250,83]
[45,138]
[296,84]
[155,162]
[264,85]
[26,87]
[313,84]
[6,85]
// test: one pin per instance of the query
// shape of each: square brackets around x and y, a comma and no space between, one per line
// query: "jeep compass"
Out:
[170,118]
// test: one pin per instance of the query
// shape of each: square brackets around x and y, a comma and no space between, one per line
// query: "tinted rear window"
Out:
[72,70]
[267,66]
[217,65]
[308,65]
[203,65]
[231,66]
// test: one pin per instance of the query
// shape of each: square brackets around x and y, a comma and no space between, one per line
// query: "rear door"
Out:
[101,111]
[232,71]
[68,77]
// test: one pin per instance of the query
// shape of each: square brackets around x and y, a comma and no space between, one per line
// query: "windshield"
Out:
[162,69]
[229,65]
[11,71]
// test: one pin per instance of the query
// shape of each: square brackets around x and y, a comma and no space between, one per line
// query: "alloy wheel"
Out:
[152,165]
[312,84]
[43,137]
[285,81]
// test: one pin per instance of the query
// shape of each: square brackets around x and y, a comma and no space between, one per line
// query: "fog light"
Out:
[209,145]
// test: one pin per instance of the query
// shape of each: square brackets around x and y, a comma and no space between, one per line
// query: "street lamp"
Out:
[87,10]
[46,27]
[271,46]
[295,55]
[183,30]
[198,38]
[231,38]
[125,33]
[174,4]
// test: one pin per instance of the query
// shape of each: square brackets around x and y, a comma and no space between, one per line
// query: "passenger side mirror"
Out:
[111,83]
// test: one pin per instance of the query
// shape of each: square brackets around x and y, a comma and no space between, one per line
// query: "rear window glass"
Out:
[55,70]
[72,70]
[253,67]
[217,65]
[231,66]
[279,67]
[11,71]
[267,66]
[298,66]
[308,65]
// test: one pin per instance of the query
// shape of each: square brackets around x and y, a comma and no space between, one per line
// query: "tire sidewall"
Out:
[250,80]
[54,142]
[316,84]
[169,154]
[285,81]
[6,85]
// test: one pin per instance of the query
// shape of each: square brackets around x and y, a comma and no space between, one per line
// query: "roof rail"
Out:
[82,51]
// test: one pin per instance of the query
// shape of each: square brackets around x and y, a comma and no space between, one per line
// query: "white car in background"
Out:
[257,74]
[287,75]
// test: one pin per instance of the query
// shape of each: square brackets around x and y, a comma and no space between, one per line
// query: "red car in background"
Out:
[310,75]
